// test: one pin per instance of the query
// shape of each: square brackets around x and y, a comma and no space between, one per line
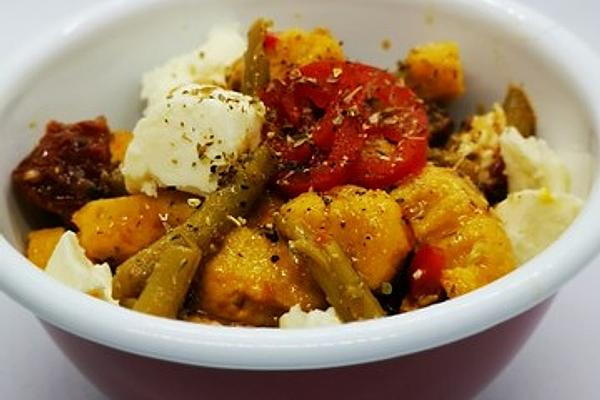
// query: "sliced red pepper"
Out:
[270,41]
[382,170]
[328,172]
[330,109]
[425,272]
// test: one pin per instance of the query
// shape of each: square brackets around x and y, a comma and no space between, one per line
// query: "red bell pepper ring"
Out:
[326,118]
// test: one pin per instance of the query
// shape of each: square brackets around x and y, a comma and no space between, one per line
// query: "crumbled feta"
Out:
[533,219]
[207,64]
[298,319]
[189,140]
[69,265]
[532,164]
[539,207]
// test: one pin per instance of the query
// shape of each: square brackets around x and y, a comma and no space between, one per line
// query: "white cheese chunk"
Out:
[533,219]
[188,141]
[69,265]
[532,164]
[208,64]
[297,319]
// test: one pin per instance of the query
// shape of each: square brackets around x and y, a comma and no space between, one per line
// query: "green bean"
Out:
[331,268]
[167,287]
[256,63]
[519,112]
[217,215]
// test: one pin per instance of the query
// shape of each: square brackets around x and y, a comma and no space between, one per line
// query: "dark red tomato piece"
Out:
[70,166]
[334,122]
[425,272]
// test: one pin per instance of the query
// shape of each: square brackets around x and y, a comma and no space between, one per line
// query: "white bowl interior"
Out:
[94,67]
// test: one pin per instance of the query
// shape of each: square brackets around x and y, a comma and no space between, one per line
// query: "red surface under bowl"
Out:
[458,370]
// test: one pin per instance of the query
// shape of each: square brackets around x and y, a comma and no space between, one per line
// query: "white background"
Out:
[561,360]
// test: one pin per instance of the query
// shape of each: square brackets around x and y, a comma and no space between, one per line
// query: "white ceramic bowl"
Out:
[94,66]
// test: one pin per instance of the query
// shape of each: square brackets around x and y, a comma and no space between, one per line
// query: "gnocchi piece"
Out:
[367,224]
[254,280]
[448,212]
[434,71]
[291,49]
[295,47]
[115,229]
[119,141]
[41,244]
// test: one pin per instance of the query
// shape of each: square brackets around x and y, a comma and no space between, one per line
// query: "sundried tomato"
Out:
[70,166]
[334,122]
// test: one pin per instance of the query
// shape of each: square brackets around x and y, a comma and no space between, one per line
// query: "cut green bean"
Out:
[167,287]
[331,268]
[256,63]
[218,214]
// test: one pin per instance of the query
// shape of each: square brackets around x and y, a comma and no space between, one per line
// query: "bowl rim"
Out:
[349,344]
